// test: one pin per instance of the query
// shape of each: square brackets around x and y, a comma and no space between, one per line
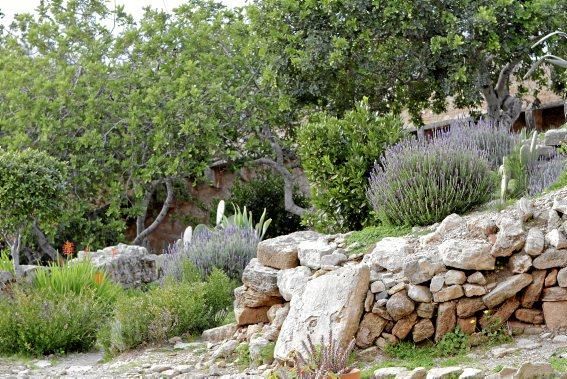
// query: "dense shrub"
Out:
[229,249]
[267,192]
[420,182]
[337,156]
[543,173]
[41,322]
[174,309]
[495,141]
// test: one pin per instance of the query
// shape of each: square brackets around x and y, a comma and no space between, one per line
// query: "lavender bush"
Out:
[542,173]
[495,141]
[419,182]
[229,249]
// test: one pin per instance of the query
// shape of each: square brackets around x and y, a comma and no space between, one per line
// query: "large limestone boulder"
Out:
[281,252]
[130,266]
[467,254]
[291,282]
[333,301]
[390,253]
[261,278]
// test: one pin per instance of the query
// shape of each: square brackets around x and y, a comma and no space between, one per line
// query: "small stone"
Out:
[499,352]
[472,290]
[502,314]
[426,310]
[551,278]
[561,338]
[556,239]
[420,294]
[389,372]
[455,277]
[377,286]
[551,258]
[472,373]
[369,301]
[554,294]
[535,370]
[560,204]
[562,277]
[446,319]
[535,242]
[42,364]
[397,288]
[220,333]
[531,316]
[444,373]
[225,350]
[467,254]
[437,283]
[169,373]
[310,252]
[416,373]
[403,327]
[532,292]
[510,237]
[400,306]
[507,289]
[448,293]
[527,344]
[469,306]
[520,263]
[157,368]
[423,330]
[422,270]
[554,314]
[334,259]
[477,278]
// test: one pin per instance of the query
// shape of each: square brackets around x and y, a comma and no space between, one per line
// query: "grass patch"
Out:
[5,261]
[243,354]
[559,364]
[367,237]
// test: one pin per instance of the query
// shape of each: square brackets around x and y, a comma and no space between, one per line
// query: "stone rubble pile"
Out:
[472,272]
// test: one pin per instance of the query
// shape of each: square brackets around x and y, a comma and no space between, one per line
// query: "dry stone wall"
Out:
[471,272]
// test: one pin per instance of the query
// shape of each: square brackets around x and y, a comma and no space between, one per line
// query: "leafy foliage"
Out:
[174,309]
[40,322]
[404,55]
[337,156]
[267,192]
[32,188]
[421,182]
[5,262]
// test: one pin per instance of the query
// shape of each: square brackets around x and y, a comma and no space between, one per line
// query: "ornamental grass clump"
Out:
[419,182]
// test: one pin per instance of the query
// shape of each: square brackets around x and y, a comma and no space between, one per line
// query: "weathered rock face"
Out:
[399,306]
[422,270]
[130,266]
[554,314]
[291,282]
[330,302]
[510,237]
[506,289]
[551,258]
[467,255]
[370,328]
[535,242]
[281,252]
[261,278]
[310,252]
[390,253]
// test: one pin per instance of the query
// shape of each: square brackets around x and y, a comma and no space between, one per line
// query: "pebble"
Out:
[561,338]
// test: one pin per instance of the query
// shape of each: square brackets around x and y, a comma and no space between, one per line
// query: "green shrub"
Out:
[267,192]
[77,278]
[40,322]
[32,187]
[5,261]
[337,156]
[174,309]
[420,182]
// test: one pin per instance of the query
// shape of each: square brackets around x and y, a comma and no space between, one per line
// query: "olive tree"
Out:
[32,192]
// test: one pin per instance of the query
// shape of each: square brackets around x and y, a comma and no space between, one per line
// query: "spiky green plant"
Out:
[323,361]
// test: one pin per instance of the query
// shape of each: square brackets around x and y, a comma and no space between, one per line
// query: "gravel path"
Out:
[183,361]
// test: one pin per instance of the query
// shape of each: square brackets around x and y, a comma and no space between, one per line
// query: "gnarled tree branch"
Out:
[160,217]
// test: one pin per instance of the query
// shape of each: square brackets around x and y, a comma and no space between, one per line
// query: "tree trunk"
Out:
[15,252]
[501,106]
[43,243]
[142,233]
[278,165]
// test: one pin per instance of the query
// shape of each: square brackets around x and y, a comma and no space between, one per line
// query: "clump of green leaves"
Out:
[337,154]
[77,278]
[39,322]
[174,309]
[32,189]
[5,261]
